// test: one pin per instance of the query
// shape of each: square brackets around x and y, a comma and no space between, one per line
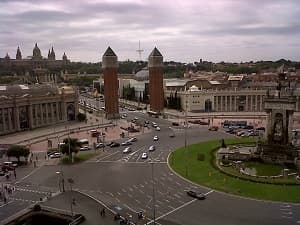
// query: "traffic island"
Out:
[197,163]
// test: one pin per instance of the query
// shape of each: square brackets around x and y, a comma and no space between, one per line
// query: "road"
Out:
[124,183]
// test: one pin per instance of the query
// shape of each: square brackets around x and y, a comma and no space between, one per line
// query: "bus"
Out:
[84,142]
[239,124]
[154,114]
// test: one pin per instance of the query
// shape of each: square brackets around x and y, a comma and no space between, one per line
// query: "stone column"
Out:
[10,127]
[269,124]
[42,115]
[31,126]
[290,124]
[57,112]
[36,124]
[17,118]
[52,113]
[256,105]
[235,104]
[246,108]
[47,118]
[261,103]
[3,120]
[297,103]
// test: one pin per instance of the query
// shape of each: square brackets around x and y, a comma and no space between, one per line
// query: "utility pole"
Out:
[185,135]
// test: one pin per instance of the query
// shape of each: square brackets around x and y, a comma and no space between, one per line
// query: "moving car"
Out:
[144,155]
[133,139]
[195,194]
[85,148]
[55,155]
[114,144]
[152,148]
[155,138]
[125,143]
[127,150]
[100,145]
[157,128]
[175,124]
[172,135]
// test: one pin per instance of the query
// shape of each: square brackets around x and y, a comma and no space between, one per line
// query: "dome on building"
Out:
[194,88]
[36,52]
[143,74]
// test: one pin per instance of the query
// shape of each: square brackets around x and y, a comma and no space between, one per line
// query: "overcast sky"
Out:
[183,30]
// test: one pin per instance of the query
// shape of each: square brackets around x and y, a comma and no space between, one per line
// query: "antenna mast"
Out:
[140,51]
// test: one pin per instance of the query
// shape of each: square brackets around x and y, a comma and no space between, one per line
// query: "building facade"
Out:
[25,107]
[36,61]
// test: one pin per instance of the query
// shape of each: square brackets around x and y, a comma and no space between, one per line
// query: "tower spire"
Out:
[139,50]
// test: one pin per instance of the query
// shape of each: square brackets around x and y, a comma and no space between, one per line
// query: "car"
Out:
[115,144]
[175,124]
[213,128]
[133,139]
[100,145]
[85,148]
[157,128]
[2,173]
[135,118]
[154,125]
[144,155]
[127,150]
[55,155]
[172,135]
[147,122]
[151,148]
[261,128]
[195,194]
[155,138]
[9,166]
[125,143]
[123,117]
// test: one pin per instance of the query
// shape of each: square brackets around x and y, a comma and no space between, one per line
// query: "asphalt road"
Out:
[124,183]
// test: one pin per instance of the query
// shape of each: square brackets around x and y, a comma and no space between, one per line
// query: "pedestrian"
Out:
[5,199]
[36,158]
[15,174]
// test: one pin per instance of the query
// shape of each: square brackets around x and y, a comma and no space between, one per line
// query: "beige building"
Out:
[25,107]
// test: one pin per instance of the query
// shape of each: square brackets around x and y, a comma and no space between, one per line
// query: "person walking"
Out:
[15,174]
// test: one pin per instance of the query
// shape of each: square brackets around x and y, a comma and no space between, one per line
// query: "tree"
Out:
[18,151]
[74,146]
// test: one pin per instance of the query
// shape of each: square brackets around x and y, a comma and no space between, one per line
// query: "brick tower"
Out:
[111,85]
[156,91]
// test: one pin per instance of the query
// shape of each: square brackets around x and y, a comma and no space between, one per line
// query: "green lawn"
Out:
[204,173]
[79,157]
[265,169]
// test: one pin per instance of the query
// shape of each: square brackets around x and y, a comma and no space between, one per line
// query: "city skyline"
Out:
[225,30]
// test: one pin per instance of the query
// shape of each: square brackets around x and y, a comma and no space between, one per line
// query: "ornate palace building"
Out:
[25,107]
[34,61]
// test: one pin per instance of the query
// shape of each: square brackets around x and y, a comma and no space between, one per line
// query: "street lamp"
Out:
[61,181]
[185,135]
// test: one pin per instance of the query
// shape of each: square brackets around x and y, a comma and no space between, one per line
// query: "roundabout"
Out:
[125,183]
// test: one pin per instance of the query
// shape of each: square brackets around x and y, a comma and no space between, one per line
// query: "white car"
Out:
[55,155]
[157,128]
[85,148]
[155,138]
[127,150]
[144,155]
[152,148]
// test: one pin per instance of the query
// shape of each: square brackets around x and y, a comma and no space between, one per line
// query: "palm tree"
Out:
[72,147]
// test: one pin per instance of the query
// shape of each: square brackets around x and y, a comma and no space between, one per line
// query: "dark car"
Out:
[195,194]
[261,128]
[175,124]
[213,128]
[115,144]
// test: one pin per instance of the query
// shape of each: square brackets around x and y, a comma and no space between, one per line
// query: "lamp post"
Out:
[185,135]
[71,182]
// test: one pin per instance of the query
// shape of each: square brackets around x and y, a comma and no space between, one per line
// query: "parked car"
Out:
[144,155]
[195,194]
[127,150]
[261,128]
[175,124]
[155,138]
[152,148]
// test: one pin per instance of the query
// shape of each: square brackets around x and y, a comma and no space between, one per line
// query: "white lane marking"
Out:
[107,156]
[168,213]
[211,191]
[32,172]
[6,204]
